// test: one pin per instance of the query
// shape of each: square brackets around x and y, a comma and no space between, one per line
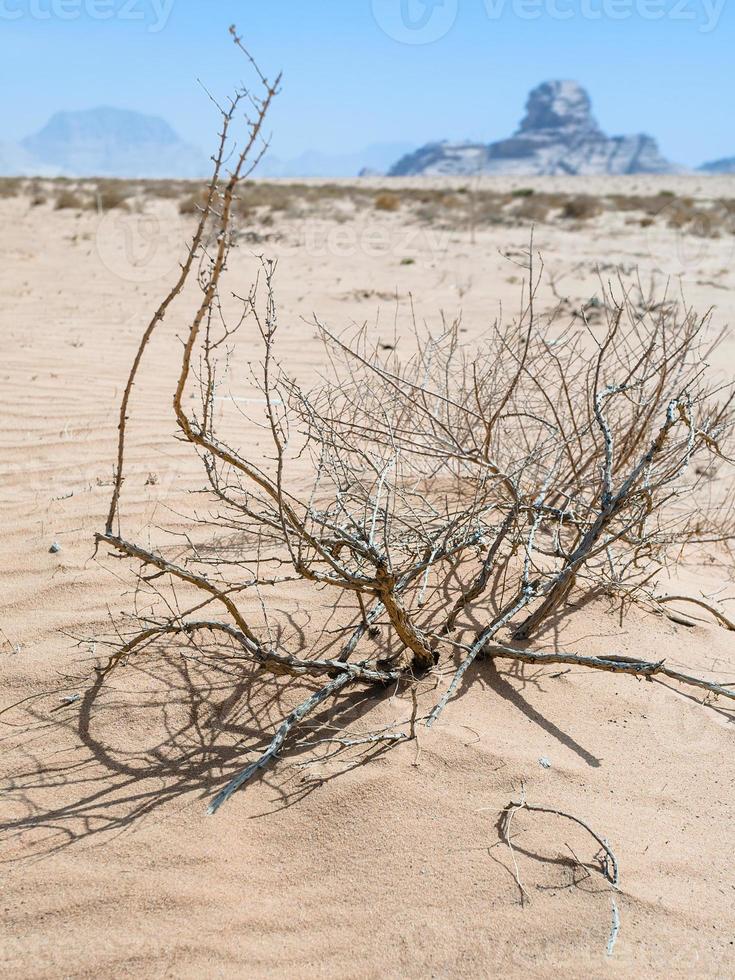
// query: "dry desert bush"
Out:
[193,203]
[10,186]
[69,200]
[446,502]
[113,194]
[582,207]
[387,202]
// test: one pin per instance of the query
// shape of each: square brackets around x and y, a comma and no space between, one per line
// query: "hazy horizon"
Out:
[424,71]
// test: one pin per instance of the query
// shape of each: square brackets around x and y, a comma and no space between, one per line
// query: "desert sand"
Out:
[381,866]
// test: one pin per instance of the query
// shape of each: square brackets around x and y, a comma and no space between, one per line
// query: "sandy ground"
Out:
[389,868]
[698,186]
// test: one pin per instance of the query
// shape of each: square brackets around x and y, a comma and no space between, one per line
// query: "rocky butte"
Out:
[558,135]
[725,166]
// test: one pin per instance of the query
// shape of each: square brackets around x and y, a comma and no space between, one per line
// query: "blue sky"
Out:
[363,71]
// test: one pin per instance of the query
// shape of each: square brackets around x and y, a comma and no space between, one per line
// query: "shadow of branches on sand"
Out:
[171,728]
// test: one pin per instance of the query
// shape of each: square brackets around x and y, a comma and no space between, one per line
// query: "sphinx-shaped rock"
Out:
[558,135]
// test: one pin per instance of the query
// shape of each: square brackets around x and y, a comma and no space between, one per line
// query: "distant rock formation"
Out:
[558,135]
[443,159]
[107,142]
[724,166]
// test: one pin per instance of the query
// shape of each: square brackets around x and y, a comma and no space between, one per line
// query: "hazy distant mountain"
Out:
[107,142]
[558,135]
[724,166]
[15,161]
[376,158]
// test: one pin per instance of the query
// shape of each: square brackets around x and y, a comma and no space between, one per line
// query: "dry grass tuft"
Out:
[582,207]
[68,200]
[387,202]
[10,186]
[111,194]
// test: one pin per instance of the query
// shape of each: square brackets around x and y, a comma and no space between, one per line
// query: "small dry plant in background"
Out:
[446,503]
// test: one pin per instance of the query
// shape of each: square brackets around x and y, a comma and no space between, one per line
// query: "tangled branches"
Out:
[428,491]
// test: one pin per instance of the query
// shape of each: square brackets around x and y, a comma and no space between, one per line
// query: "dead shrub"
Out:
[533,209]
[387,202]
[10,186]
[582,207]
[455,501]
[69,200]
[193,203]
[165,189]
[112,195]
